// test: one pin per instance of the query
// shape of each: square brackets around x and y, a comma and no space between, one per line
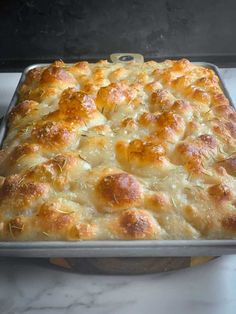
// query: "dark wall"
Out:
[33,30]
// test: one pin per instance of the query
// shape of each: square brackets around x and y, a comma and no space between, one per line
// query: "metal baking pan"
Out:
[114,248]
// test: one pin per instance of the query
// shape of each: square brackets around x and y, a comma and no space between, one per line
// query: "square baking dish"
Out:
[114,248]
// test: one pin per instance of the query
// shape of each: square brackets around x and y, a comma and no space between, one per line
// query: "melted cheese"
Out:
[119,151]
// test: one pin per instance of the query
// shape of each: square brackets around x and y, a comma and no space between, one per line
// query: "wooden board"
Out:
[128,266]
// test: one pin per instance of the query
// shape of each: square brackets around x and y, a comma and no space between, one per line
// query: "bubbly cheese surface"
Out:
[119,151]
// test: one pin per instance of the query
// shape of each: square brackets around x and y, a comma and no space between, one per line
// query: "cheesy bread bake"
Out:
[119,151]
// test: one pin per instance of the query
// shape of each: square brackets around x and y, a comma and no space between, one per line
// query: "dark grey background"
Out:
[35,31]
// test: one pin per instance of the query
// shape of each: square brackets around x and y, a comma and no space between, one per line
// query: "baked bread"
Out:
[119,151]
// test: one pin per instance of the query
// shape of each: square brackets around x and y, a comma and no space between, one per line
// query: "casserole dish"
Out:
[114,248]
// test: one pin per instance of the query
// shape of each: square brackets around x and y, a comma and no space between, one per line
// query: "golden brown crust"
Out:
[193,154]
[54,74]
[159,202]
[83,231]
[220,193]
[52,134]
[119,151]
[119,191]
[59,170]
[170,126]
[161,100]
[43,83]
[21,110]
[114,95]
[137,224]
[24,149]
[76,104]
[229,223]
[19,193]
[54,218]
[143,157]
[134,224]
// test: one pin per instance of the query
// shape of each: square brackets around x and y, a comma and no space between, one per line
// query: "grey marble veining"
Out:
[32,286]
[26,287]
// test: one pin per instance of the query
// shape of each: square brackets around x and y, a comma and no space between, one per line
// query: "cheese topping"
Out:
[119,151]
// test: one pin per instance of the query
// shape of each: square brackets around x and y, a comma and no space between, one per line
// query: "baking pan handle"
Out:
[126,57]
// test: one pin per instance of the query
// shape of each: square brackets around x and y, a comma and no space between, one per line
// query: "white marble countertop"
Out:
[31,286]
